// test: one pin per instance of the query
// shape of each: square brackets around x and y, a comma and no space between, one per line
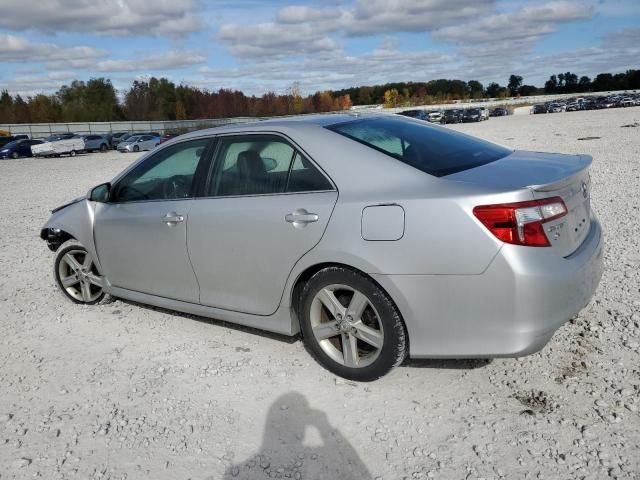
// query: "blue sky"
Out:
[258,46]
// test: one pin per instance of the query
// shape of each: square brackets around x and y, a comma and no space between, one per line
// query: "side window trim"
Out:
[204,160]
[216,159]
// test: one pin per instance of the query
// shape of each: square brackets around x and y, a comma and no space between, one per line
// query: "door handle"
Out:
[172,218]
[301,217]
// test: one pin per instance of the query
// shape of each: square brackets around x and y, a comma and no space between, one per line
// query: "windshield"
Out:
[433,150]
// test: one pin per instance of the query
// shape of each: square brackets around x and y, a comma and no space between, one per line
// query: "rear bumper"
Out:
[512,309]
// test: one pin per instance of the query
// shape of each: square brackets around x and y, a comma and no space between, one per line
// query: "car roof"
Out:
[299,121]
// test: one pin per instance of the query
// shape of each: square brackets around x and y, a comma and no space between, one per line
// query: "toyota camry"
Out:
[376,238]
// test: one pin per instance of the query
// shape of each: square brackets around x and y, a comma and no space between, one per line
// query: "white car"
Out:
[138,143]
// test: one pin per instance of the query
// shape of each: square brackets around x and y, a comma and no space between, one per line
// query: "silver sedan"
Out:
[138,143]
[376,237]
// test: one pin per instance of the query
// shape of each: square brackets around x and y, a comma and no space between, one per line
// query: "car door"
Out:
[140,234]
[264,207]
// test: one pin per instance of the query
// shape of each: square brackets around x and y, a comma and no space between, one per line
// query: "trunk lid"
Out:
[546,175]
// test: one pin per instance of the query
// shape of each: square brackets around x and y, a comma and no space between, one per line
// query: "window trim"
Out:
[215,160]
[202,163]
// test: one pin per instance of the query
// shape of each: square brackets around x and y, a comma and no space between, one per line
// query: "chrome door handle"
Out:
[301,217]
[172,218]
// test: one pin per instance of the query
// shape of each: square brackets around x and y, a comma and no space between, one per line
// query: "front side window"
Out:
[261,165]
[433,150]
[167,175]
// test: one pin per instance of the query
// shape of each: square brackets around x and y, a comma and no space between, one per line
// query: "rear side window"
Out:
[260,165]
[433,150]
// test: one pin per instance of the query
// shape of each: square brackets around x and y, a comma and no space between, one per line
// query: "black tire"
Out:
[72,153]
[395,340]
[68,246]
[136,148]
[14,155]
[103,148]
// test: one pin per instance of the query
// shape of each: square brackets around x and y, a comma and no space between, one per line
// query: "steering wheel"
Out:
[176,187]
[131,193]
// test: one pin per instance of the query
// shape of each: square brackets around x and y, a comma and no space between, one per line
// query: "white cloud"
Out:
[172,60]
[329,70]
[104,17]
[388,16]
[275,40]
[18,49]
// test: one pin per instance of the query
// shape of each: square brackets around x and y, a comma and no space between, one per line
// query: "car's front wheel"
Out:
[350,325]
[76,274]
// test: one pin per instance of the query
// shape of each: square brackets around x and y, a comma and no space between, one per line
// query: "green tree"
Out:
[584,84]
[364,96]
[515,82]
[476,90]
[551,85]
[493,89]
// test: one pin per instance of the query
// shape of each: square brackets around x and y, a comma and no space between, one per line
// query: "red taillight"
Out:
[521,223]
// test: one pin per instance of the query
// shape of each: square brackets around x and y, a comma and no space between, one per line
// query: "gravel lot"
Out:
[126,391]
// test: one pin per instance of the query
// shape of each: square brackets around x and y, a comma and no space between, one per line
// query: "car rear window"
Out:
[433,150]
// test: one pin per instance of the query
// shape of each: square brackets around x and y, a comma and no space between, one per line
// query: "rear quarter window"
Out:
[433,150]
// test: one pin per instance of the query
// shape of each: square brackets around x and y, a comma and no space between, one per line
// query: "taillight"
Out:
[521,223]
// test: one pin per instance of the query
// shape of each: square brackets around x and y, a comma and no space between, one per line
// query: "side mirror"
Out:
[100,193]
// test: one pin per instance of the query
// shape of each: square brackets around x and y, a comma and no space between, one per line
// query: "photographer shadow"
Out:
[299,442]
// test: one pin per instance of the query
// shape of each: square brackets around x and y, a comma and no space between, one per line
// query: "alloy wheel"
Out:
[79,277]
[346,326]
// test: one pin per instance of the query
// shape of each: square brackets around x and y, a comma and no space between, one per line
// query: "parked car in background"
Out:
[556,108]
[153,134]
[627,102]
[499,112]
[453,115]
[418,113]
[167,136]
[472,115]
[18,148]
[539,108]
[6,139]
[574,106]
[434,116]
[138,143]
[55,148]
[484,113]
[452,247]
[93,143]
[59,136]
[116,138]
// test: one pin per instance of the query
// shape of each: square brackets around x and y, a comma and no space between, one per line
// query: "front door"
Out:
[266,205]
[140,234]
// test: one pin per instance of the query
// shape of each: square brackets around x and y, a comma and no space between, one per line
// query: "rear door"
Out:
[264,206]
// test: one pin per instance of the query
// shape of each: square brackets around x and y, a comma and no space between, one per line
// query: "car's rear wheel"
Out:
[14,155]
[136,148]
[76,274]
[103,148]
[350,325]
[72,153]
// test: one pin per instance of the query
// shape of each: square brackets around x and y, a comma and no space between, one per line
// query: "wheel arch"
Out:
[303,277]
[55,237]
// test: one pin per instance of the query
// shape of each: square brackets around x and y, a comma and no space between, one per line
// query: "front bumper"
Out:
[512,309]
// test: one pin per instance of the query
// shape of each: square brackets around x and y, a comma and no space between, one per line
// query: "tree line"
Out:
[161,99]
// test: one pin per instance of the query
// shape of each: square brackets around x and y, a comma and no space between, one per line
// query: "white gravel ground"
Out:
[125,391]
